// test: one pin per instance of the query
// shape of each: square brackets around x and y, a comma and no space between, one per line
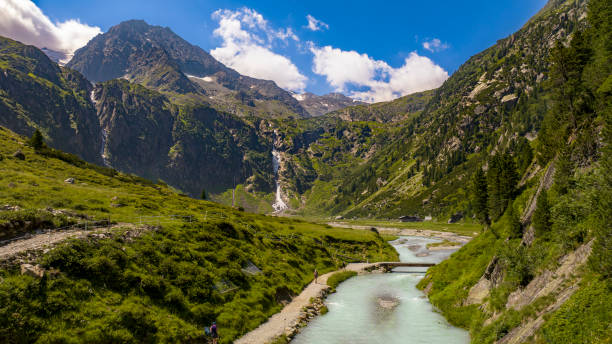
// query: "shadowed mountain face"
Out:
[191,147]
[36,93]
[159,59]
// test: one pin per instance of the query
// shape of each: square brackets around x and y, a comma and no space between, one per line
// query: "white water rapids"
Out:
[278,205]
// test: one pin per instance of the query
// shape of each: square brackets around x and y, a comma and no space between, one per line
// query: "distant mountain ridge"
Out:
[320,105]
[392,111]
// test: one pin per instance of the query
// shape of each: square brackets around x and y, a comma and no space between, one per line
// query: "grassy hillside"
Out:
[158,283]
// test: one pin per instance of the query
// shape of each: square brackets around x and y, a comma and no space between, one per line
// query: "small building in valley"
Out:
[408,218]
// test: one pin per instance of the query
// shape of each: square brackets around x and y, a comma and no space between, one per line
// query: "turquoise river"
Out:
[385,308]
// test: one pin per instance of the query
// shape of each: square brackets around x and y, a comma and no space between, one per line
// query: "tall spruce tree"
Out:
[36,141]
[516,229]
[480,197]
[541,216]
[502,178]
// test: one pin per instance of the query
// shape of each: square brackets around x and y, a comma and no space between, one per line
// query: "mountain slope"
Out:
[496,100]
[159,59]
[541,270]
[35,93]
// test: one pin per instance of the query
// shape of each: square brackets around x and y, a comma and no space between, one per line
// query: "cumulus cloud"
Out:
[435,45]
[370,80]
[247,47]
[22,20]
[315,25]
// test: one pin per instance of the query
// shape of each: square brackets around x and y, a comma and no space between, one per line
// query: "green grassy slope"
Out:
[166,284]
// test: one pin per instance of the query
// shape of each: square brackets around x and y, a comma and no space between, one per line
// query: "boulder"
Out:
[455,218]
[19,155]
[32,270]
[69,181]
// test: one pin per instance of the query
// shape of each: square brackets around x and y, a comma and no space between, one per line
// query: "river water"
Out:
[385,308]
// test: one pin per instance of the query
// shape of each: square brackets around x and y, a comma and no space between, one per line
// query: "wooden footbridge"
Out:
[392,265]
[387,266]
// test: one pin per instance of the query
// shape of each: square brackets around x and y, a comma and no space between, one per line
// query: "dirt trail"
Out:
[45,240]
[289,316]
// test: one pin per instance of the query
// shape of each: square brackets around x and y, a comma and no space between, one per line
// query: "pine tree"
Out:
[541,216]
[502,179]
[508,179]
[516,229]
[494,188]
[564,170]
[36,141]
[480,197]
[203,196]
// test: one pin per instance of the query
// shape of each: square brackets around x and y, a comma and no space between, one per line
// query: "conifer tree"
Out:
[36,141]
[541,216]
[480,197]
[516,229]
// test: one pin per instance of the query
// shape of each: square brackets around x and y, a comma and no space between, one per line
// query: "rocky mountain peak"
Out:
[157,58]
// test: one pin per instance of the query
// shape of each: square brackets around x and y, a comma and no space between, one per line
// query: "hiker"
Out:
[316,275]
[213,332]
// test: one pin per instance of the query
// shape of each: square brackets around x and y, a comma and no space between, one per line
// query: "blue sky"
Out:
[372,50]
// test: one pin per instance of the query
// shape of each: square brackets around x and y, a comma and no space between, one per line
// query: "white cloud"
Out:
[315,25]
[247,48]
[435,45]
[22,20]
[371,80]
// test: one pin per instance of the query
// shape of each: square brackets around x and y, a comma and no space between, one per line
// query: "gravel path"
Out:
[289,316]
[45,240]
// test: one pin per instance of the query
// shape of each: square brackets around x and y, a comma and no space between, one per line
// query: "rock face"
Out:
[190,147]
[159,59]
[550,281]
[490,279]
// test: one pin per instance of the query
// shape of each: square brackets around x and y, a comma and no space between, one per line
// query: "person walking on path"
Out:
[213,332]
[316,275]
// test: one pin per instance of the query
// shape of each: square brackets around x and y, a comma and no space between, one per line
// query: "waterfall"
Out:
[104,135]
[278,205]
